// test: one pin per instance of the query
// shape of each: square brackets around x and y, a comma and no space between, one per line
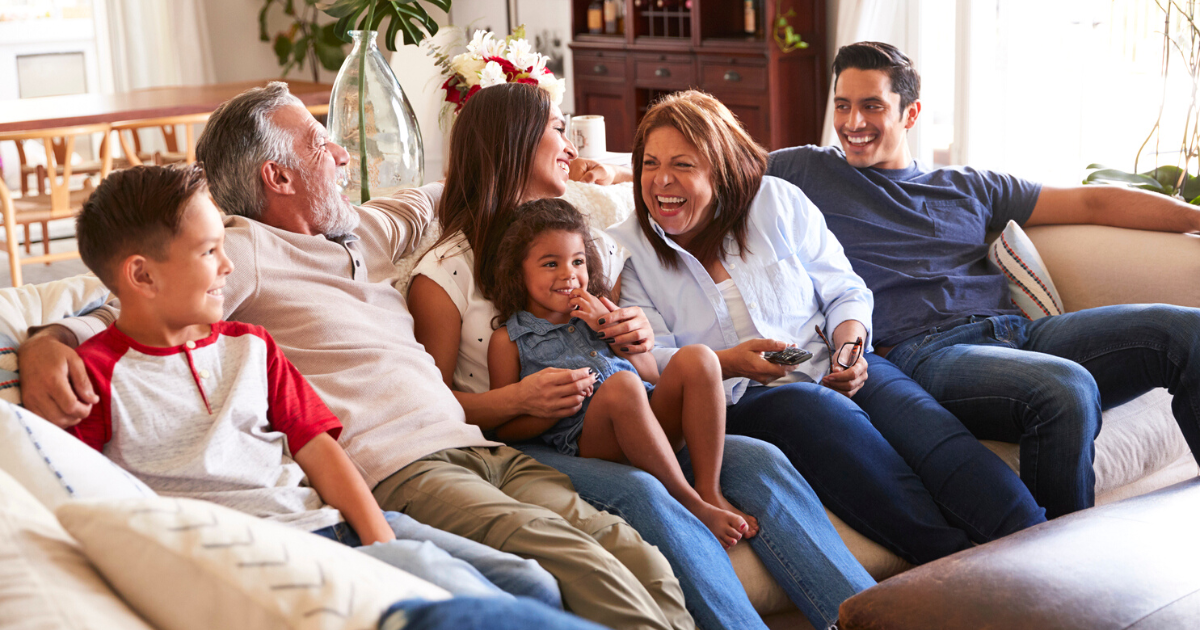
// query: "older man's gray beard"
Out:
[332,215]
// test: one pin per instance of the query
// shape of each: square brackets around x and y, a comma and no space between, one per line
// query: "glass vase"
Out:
[394,155]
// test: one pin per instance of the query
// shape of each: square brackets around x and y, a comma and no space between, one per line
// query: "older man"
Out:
[318,273]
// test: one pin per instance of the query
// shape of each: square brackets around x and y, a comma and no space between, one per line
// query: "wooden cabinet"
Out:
[673,45]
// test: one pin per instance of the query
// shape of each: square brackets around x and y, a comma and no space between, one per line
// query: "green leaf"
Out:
[1191,188]
[300,51]
[344,25]
[342,8]
[262,21]
[1167,176]
[283,48]
[289,7]
[328,35]
[1095,166]
[331,56]
[410,13]
[1112,175]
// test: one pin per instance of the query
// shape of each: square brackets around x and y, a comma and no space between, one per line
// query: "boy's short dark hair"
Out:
[880,56]
[134,211]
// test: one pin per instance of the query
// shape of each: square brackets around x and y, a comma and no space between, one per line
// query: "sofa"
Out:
[1140,448]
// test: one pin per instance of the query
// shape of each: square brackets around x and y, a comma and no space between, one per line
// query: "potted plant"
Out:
[1181,35]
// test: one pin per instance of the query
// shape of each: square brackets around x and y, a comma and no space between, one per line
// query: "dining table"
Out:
[50,112]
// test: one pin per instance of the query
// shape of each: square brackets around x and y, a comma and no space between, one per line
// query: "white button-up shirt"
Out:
[794,277]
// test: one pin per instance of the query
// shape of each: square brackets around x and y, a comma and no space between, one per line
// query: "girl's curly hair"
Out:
[533,219]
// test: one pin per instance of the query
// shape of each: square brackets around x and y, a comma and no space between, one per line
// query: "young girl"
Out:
[551,305]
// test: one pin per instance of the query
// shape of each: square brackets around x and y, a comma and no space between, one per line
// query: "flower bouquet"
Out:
[490,61]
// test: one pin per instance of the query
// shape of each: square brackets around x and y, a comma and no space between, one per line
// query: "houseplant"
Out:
[1181,37]
[304,40]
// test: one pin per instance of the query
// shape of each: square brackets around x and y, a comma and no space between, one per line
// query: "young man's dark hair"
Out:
[880,56]
[134,211]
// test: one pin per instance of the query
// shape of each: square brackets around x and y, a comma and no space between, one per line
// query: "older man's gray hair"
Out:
[238,139]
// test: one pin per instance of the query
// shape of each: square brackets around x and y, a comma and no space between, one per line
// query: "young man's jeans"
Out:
[1044,383]
[461,566]
[479,613]
[796,541]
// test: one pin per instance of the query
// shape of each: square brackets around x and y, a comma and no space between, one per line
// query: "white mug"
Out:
[587,134]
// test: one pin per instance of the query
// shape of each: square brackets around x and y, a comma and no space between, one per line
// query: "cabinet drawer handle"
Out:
[662,72]
[733,76]
[600,69]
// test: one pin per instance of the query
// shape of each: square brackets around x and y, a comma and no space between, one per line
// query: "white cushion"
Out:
[1136,439]
[192,565]
[45,580]
[1029,285]
[56,467]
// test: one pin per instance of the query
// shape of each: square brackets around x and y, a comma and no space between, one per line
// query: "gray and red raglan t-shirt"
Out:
[215,419]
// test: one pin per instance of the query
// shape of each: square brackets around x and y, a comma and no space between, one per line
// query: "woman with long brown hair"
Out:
[723,255]
[508,146]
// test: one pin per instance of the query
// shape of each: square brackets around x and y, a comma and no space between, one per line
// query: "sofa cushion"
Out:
[45,580]
[187,564]
[54,466]
[1136,439]
[1029,285]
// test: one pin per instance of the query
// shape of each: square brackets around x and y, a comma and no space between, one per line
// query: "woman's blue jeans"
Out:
[891,462]
[1044,383]
[796,541]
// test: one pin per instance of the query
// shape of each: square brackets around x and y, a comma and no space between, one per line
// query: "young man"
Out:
[208,409]
[916,236]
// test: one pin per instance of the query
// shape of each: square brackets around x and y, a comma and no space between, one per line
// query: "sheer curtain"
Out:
[154,43]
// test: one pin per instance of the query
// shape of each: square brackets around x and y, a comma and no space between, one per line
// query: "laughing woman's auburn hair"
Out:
[738,165]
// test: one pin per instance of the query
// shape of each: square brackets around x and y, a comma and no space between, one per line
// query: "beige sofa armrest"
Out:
[1098,266]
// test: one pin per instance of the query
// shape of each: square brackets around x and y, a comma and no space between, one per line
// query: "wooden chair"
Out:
[60,202]
[127,134]
[37,174]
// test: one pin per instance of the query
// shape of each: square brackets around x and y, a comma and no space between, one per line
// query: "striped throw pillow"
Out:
[1029,285]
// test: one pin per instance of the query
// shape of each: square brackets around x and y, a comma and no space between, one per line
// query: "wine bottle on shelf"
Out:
[610,17]
[751,17]
[595,17]
[620,17]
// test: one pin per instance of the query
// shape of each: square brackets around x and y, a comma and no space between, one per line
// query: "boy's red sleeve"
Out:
[99,358]
[293,407]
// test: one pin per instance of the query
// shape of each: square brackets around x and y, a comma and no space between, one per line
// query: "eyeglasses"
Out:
[845,356]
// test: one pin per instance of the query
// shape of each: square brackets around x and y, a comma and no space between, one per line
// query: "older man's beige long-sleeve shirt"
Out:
[331,307]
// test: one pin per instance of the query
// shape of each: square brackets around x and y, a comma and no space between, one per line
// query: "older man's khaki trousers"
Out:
[505,499]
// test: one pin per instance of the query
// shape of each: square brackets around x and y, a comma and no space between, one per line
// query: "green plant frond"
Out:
[289,7]
[1094,166]
[300,51]
[1168,176]
[413,21]
[1114,176]
[342,8]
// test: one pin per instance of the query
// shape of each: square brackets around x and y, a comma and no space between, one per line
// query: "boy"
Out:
[208,409]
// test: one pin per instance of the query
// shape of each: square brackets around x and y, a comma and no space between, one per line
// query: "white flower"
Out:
[468,66]
[521,54]
[492,74]
[486,45]
[554,87]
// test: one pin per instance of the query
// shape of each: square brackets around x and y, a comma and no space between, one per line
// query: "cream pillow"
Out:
[192,565]
[54,466]
[45,580]
[1029,285]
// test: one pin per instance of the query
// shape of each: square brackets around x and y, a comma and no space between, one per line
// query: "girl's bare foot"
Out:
[751,522]
[727,526]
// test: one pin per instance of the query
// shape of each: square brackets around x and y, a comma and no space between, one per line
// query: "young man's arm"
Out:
[335,478]
[1114,206]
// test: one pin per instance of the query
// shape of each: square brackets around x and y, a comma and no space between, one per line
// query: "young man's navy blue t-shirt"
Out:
[915,236]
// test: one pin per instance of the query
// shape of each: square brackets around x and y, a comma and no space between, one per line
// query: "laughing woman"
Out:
[724,256]
[509,146]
